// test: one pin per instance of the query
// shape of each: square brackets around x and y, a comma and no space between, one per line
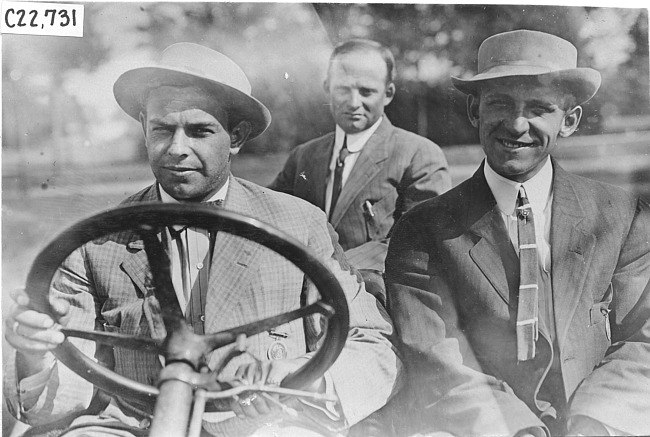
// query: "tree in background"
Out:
[58,102]
[432,42]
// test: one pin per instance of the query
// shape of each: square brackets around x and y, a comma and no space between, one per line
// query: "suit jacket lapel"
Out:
[229,278]
[571,250]
[320,171]
[493,252]
[367,166]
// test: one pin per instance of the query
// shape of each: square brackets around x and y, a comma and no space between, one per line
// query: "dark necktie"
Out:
[527,312]
[338,175]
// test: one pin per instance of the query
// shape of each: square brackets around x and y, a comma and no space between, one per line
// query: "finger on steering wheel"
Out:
[251,404]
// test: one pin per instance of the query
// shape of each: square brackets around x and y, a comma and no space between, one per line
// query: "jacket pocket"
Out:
[599,312]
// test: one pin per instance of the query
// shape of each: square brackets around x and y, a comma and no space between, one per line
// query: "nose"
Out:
[517,123]
[355,99]
[179,144]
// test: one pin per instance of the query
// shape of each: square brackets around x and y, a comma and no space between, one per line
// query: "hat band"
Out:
[547,67]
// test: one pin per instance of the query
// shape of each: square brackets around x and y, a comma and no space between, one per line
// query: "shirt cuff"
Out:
[332,409]
[30,388]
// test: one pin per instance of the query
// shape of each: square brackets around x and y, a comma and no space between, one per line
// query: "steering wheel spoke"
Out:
[223,338]
[162,278]
[118,340]
[182,347]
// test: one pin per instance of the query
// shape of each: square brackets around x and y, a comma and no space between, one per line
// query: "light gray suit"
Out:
[110,279]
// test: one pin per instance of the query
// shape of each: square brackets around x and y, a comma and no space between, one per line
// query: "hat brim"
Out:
[131,88]
[583,83]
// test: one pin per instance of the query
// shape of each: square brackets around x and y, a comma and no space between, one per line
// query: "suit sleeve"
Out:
[447,394]
[61,391]
[426,176]
[617,392]
[366,374]
[284,181]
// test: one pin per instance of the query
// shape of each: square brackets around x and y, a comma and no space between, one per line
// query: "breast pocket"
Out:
[378,216]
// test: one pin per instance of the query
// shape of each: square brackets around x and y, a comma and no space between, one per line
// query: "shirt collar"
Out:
[219,195]
[538,188]
[358,140]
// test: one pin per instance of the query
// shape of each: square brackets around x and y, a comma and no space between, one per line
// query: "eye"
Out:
[366,92]
[199,132]
[540,110]
[161,129]
[496,102]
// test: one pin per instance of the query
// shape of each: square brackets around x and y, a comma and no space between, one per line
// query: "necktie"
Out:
[191,252]
[527,312]
[338,175]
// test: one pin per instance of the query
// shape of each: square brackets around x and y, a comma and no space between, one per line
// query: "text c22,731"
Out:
[32,18]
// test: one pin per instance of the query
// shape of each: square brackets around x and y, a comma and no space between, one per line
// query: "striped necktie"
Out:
[338,175]
[527,311]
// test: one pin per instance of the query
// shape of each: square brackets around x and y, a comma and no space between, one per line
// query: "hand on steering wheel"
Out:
[270,373]
[182,345]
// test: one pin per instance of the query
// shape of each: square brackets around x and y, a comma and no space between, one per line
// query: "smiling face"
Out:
[358,89]
[519,122]
[188,143]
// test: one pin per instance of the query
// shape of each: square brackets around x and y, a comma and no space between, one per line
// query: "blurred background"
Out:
[68,151]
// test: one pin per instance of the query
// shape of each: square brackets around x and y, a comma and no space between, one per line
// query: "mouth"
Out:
[509,144]
[180,170]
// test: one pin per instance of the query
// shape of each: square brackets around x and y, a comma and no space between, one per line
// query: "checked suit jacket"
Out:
[454,304]
[396,169]
[108,280]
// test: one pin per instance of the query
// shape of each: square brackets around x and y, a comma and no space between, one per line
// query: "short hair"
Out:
[366,45]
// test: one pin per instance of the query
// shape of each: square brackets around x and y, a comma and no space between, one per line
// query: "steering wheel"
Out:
[181,345]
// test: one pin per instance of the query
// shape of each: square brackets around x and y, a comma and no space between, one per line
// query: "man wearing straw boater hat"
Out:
[196,112]
[521,297]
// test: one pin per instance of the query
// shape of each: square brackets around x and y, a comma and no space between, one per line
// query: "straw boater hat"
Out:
[192,64]
[528,53]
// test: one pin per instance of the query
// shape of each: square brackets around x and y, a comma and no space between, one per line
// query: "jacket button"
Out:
[202,318]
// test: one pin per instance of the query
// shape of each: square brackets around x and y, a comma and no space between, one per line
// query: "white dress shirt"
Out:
[197,242]
[539,190]
[356,142]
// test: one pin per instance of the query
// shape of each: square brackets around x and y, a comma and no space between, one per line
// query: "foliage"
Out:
[58,91]
[434,42]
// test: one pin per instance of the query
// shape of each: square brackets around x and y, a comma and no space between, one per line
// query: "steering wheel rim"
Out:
[158,215]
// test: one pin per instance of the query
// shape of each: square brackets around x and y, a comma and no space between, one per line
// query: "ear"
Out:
[143,123]
[571,121]
[326,86]
[473,102]
[238,136]
[390,93]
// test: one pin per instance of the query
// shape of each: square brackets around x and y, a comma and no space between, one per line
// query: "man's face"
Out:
[187,141]
[358,90]
[519,122]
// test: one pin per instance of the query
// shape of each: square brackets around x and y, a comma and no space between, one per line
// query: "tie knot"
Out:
[343,153]
[176,230]
[214,203]
[523,206]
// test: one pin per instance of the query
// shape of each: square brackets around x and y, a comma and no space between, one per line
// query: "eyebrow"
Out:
[162,123]
[542,102]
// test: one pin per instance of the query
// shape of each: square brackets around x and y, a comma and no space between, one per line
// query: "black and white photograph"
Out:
[325,220]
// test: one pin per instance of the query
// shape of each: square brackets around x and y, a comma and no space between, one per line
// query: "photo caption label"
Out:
[32,18]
